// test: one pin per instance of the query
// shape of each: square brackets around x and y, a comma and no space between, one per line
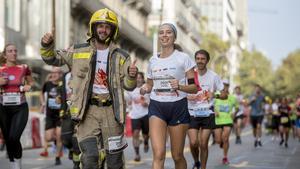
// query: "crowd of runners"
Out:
[178,97]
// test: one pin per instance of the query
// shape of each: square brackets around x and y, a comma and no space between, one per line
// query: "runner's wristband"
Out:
[191,81]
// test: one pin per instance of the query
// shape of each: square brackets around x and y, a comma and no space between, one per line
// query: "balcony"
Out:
[183,23]
[195,36]
[144,6]
[195,11]
[128,34]
[185,2]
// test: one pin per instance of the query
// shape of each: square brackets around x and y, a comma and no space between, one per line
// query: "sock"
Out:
[146,142]
[137,150]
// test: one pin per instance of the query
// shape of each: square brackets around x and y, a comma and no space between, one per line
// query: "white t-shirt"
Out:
[274,107]
[100,83]
[137,109]
[267,108]
[67,87]
[209,82]
[162,70]
[240,98]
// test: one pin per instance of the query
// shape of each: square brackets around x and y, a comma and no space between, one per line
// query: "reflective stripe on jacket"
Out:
[81,59]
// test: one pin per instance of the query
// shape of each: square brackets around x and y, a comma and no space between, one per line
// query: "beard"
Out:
[99,40]
[201,66]
[107,38]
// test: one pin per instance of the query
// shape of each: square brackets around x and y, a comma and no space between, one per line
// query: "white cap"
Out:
[226,81]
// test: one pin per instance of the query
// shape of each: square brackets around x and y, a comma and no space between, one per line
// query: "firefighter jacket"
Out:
[81,60]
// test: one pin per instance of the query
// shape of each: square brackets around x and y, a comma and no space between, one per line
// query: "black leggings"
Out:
[13,120]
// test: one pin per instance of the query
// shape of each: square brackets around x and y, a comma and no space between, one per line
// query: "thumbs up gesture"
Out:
[132,70]
[48,38]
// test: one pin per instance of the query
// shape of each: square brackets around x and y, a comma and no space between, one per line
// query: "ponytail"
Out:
[178,47]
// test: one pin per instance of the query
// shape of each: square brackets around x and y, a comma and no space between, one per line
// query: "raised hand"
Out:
[48,38]
[132,71]
[145,89]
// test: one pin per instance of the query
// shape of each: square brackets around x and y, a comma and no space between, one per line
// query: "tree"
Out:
[217,49]
[255,68]
[287,75]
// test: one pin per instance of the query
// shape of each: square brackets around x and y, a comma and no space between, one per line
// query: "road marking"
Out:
[240,165]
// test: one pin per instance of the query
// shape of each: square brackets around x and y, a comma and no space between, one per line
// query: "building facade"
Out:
[24,22]
[229,20]
[221,17]
[185,15]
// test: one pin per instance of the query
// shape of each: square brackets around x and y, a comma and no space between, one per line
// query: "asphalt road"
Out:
[245,156]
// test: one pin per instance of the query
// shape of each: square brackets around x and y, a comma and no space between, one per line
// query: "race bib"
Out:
[52,104]
[116,144]
[224,108]
[203,111]
[162,84]
[11,99]
[284,120]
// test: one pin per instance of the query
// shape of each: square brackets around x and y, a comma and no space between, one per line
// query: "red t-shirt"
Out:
[15,75]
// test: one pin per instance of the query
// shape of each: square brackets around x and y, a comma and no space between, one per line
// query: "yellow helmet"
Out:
[104,16]
[268,99]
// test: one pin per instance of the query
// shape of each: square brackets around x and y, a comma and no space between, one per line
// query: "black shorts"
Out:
[275,122]
[173,113]
[293,122]
[203,122]
[256,120]
[52,122]
[141,123]
[238,117]
[285,124]
[223,125]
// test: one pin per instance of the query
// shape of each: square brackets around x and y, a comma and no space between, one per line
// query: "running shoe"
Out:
[137,158]
[259,143]
[255,143]
[225,160]
[76,165]
[44,154]
[57,161]
[14,165]
[238,140]
[281,142]
[197,165]
[286,145]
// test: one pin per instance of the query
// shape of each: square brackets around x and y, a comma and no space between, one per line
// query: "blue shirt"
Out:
[257,105]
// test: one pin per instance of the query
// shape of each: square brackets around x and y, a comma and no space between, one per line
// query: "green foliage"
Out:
[255,68]
[287,76]
[217,49]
